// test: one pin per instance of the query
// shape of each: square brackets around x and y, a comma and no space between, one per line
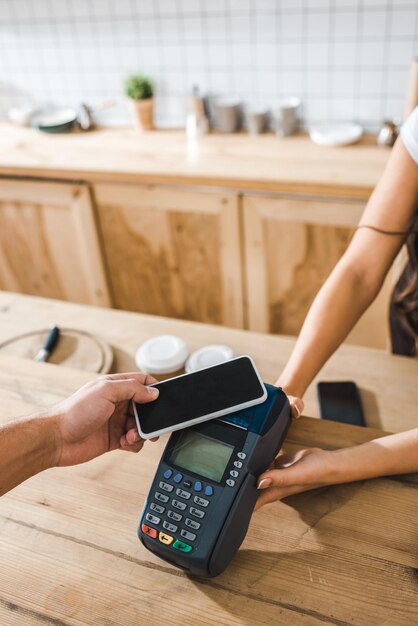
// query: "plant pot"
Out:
[143,113]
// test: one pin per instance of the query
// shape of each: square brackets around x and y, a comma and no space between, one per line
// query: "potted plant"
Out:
[140,91]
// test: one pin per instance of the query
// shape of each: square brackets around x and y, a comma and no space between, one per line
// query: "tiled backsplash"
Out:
[346,59]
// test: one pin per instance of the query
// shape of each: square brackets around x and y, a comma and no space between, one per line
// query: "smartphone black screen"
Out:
[341,402]
[201,393]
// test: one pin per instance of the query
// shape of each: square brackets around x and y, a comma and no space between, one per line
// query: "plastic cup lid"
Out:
[207,356]
[162,355]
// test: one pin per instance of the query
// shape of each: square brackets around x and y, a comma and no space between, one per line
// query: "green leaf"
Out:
[139,87]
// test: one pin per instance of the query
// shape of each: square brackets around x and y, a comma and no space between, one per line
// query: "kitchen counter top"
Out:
[68,546]
[260,163]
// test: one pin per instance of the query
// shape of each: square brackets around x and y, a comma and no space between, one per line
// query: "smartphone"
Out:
[199,396]
[341,402]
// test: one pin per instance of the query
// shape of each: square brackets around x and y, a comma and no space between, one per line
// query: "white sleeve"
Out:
[409,134]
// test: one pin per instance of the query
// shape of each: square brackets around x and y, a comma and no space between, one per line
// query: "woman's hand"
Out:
[294,473]
[296,406]
[98,418]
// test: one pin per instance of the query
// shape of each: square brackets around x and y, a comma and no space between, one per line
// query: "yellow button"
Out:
[166,539]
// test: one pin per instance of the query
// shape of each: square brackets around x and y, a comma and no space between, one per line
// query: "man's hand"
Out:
[294,473]
[98,418]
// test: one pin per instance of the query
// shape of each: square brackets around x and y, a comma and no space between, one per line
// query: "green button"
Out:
[184,547]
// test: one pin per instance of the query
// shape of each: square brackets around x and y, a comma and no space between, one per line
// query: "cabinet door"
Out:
[291,246]
[48,242]
[173,252]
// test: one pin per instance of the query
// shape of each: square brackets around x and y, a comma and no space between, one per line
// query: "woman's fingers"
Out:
[285,471]
[296,406]
[271,478]
[269,495]
[288,459]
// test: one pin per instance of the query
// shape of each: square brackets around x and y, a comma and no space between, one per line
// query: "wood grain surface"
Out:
[388,384]
[173,253]
[48,242]
[344,555]
[291,246]
[262,163]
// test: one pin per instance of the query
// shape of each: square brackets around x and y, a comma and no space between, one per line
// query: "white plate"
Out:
[338,135]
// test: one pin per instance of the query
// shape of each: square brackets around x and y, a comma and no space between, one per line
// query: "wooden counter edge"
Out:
[239,185]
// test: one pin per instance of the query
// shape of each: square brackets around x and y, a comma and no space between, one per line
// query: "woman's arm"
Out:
[312,468]
[359,275]
[92,421]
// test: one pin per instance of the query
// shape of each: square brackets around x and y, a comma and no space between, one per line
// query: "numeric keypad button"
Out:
[178,505]
[153,519]
[166,487]
[191,523]
[196,512]
[183,494]
[161,497]
[157,508]
[187,535]
[201,501]
[174,516]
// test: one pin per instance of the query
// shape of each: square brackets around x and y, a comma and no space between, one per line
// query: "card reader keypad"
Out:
[182,513]
[180,507]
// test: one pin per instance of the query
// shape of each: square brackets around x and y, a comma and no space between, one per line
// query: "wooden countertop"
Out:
[388,383]
[261,163]
[68,546]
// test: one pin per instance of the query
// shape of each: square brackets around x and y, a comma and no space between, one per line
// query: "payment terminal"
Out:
[203,494]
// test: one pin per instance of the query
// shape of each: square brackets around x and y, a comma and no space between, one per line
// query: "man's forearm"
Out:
[28,446]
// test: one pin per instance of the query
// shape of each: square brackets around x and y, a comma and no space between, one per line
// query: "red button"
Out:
[147,530]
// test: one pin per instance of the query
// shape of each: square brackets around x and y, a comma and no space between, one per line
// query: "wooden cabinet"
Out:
[249,261]
[173,252]
[291,245]
[48,242]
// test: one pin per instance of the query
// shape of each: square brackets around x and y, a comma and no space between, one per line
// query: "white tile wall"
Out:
[346,59]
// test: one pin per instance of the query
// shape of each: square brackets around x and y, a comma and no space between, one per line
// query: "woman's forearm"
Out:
[393,454]
[28,446]
[357,278]
[338,306]
[312,468]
